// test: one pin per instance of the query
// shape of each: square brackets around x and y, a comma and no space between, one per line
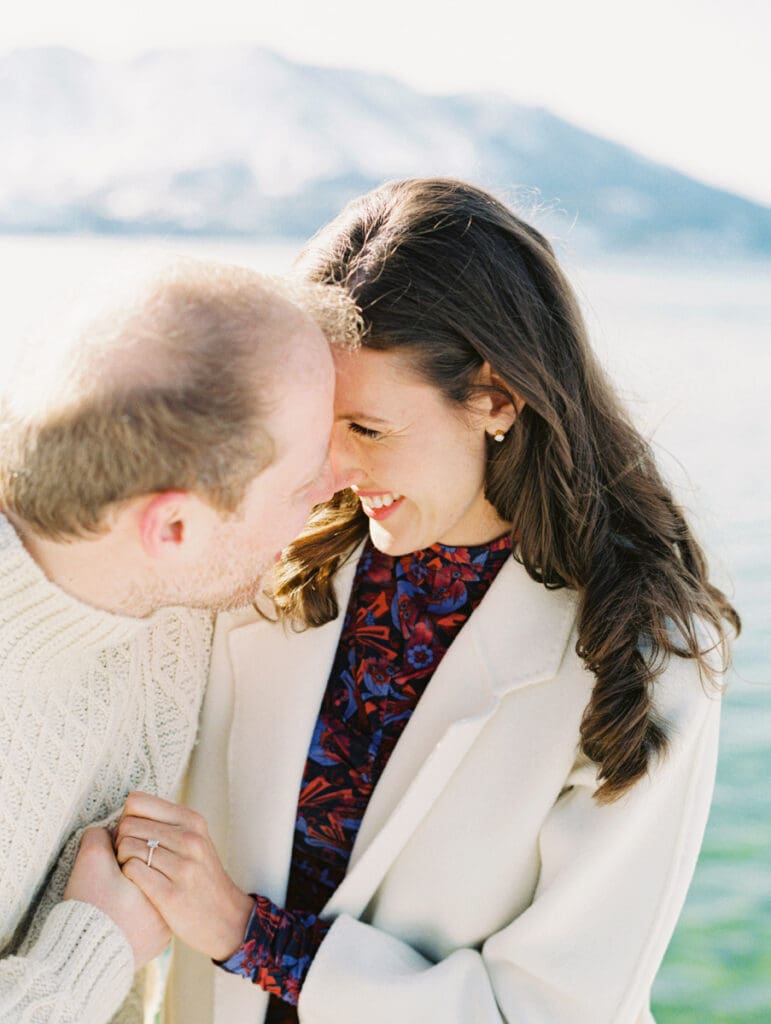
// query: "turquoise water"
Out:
[691,349]
[718,966]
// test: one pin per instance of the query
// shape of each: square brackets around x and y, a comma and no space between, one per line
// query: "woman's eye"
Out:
[363,431]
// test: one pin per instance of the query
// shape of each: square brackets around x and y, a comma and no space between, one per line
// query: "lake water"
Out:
[690,347]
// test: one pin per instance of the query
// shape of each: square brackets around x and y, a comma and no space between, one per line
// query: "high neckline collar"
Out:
[457,553]
[434,569]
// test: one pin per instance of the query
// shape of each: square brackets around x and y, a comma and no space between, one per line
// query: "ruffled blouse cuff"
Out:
[278,949]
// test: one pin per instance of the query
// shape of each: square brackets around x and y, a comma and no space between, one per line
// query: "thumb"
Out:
[96,851]
[96,840]
[95,867]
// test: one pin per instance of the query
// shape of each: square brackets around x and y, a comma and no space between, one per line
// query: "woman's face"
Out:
[416,461]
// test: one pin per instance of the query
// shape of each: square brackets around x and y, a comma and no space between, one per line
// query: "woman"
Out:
[499,812]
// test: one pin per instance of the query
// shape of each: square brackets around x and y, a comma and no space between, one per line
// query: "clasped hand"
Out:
[185,886]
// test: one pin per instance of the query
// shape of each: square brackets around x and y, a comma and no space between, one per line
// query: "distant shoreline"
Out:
[572,250]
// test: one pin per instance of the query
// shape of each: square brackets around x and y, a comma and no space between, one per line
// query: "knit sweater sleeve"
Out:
[74,965]
[77,972]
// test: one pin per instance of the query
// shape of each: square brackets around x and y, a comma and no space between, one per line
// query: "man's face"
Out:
[276,506]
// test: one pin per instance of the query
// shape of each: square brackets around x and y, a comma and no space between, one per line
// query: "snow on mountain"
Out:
[240,140]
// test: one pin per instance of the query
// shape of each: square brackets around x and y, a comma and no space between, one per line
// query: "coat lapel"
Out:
[515,638]
[279,678]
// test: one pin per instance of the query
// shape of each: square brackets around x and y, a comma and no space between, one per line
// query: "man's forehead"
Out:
[304,360]
[300,406]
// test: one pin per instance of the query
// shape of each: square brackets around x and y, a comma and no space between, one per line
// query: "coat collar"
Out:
[516,637]
[278,679]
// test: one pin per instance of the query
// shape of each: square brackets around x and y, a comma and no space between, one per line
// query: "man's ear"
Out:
[163,522]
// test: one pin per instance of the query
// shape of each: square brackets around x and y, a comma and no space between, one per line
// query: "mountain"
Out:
[240,141]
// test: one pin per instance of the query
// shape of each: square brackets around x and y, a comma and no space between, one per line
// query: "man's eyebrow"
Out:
[361,416]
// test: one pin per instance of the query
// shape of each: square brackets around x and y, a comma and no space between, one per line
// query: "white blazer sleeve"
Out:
[612,883]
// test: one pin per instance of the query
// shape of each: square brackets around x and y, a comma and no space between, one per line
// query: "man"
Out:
[177,446]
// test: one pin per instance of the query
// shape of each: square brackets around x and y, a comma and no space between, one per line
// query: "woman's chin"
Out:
[393,543]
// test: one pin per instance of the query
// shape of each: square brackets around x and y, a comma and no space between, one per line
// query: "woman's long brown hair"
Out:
[447,274]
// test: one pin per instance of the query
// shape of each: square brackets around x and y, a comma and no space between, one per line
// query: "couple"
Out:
[465,776]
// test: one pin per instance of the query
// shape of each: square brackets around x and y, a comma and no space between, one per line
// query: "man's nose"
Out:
[343,459]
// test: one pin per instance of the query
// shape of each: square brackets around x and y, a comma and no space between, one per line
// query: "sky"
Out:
[686,82]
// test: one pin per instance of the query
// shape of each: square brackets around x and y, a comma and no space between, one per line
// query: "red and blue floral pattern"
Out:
[402,616]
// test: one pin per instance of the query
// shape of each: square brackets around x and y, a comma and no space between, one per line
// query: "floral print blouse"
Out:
[403,614]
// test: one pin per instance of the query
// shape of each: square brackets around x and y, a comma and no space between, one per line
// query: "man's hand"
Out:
[96,878]
[185,881]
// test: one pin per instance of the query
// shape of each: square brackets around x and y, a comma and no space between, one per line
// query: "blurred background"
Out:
[632,134]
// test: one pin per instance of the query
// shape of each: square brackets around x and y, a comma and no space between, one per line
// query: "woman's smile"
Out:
[378,504]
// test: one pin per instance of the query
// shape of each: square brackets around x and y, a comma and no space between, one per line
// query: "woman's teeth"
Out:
[379,500]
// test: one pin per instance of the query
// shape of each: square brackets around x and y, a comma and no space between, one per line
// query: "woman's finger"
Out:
[145,805]
[156,857]
[154,884]
[170,836]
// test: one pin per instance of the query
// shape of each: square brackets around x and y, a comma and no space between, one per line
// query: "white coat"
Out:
[486,884]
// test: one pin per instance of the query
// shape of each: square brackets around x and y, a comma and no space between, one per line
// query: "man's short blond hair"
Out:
[168,392]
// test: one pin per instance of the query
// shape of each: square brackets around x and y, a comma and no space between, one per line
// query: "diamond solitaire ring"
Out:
[152,846]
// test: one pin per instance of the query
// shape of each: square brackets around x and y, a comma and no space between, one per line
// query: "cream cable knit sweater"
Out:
[92,705]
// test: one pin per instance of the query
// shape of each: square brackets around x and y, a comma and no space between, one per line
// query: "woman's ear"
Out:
[501,403]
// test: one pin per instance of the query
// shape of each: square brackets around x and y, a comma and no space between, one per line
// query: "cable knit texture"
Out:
[92,705]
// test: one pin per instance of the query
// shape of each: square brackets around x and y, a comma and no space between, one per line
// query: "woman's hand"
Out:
[185,880]
[96,878]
